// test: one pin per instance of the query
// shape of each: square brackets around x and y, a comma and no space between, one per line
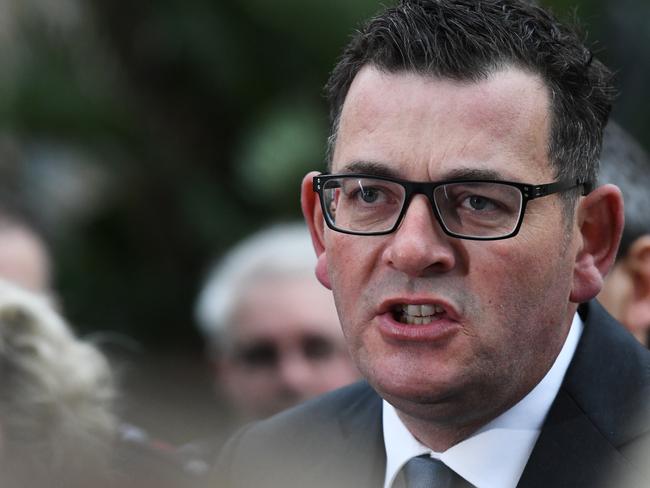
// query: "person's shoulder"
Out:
[286,443]
[610,377]
[318,413]
[608,347]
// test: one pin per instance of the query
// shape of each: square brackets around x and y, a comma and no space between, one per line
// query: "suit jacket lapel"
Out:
[363,455]
[589,421]
[571,451]
[345,450]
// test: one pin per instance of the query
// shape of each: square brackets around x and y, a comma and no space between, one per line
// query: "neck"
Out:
[438,438]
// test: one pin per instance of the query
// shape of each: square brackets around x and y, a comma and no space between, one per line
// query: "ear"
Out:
[636,314]
[600,225]
[311,209]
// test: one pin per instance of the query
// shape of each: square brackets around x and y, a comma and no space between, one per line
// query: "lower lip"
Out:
[435,331]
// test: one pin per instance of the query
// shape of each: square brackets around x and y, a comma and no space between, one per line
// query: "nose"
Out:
[419,246]
[295,373]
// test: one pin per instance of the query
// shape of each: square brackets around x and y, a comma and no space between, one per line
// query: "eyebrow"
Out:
[370,168]
[373,168]
[474,174]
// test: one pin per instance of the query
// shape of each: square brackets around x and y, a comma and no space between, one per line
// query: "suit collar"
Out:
[363,452]
[571,450]
[588,423]
[345,444]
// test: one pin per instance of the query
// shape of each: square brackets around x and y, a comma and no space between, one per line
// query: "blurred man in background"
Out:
[626,294]
[274,336]
[24,258]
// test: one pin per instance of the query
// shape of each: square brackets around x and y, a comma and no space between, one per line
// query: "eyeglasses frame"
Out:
[427,188]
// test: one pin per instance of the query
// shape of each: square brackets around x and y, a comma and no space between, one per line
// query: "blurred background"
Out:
[150,136]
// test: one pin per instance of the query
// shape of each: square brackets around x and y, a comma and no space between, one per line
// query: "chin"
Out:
[413,390]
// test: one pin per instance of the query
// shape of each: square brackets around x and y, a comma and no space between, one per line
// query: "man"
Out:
[274,339]
[273,332]
[459,233]
[24,258]
[626,292]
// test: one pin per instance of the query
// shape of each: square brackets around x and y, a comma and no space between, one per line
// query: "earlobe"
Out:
[600,222]
[313,214]
[321,271]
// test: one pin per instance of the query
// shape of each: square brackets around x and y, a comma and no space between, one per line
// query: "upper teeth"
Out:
[421,310]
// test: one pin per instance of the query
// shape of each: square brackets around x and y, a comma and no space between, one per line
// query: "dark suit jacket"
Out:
[597,432]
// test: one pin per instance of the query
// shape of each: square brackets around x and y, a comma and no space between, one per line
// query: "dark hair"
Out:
[626,164]
[469,40]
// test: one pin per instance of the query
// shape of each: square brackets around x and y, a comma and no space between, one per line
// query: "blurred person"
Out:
[24,256]
[58,422]
[626,292]
[57,427]
[137,458]
[274,336]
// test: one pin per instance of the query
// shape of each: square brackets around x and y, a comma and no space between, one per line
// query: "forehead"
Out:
[23,258]
[433,126]
[287,305]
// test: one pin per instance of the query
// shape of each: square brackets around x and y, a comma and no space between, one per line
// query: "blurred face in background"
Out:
[23,258]
[285,346]
[626,291]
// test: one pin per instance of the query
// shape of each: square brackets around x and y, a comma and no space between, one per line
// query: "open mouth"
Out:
[417,314]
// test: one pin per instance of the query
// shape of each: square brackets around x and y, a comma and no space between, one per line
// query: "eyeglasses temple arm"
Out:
[559,186]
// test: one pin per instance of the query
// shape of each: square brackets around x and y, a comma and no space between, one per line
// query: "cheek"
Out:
[531,291]
[336,373]
[526,262]
[350,270]
[350,263]
[249,382]
[518,280]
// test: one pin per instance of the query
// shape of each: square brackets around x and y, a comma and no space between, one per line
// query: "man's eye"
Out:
[369,195]
[258,355]
[477,202]
[316,347]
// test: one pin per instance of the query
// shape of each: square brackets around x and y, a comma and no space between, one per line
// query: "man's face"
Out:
[501,308]
[287,346]
[23,258]
[626,291]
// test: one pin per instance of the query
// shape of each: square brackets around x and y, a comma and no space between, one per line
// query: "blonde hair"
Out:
[56,393]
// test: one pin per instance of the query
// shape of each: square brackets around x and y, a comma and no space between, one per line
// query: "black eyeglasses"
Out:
[468,209]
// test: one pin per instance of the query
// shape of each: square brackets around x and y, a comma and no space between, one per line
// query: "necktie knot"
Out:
[426,472]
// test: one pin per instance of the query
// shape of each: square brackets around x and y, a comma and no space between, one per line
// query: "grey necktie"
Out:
[426,472]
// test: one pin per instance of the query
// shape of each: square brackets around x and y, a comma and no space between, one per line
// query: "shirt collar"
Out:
[497,453]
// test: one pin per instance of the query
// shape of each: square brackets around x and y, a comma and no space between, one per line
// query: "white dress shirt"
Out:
[494,456]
